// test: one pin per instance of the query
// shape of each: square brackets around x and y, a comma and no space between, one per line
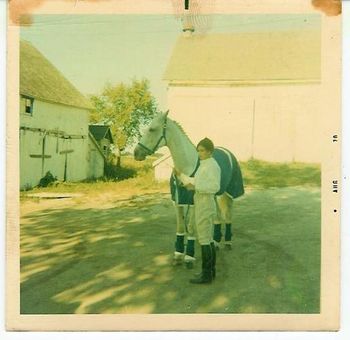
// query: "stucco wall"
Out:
[278,123]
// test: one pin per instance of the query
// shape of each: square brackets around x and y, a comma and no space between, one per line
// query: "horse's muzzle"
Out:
[139,154]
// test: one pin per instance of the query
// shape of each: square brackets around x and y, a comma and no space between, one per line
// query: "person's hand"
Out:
[189,186]
[176,172]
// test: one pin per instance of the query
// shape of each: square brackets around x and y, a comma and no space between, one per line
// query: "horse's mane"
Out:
[182,130]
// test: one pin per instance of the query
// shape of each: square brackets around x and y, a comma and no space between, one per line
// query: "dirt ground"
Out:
[111,253]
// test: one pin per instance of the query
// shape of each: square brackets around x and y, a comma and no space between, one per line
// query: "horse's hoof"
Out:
[176,262]
[201,279]
[189,265]
[228,246]
[217,245]
[178,258]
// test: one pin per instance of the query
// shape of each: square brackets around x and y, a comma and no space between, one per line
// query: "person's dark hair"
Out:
[207,144]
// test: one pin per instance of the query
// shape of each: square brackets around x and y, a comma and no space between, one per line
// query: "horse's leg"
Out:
[180,235]
[218,220]
[224,207]
[227,205]
[189,256]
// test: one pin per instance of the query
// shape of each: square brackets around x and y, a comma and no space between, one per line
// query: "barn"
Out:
[54,124]
[257,93]
[103,136]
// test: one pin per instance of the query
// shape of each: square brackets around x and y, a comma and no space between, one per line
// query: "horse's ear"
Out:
[166,113]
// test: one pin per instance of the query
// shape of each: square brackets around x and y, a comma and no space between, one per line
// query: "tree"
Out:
[126,108]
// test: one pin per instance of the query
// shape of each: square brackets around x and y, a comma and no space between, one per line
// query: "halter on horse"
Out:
[155,148]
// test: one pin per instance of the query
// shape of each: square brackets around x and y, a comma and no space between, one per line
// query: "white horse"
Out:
[165,132]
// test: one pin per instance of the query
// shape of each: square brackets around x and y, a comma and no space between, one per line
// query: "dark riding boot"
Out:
[206,275]
[213,264]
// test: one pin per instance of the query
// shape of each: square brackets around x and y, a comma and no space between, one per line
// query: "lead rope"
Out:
[188,205]
[186,218]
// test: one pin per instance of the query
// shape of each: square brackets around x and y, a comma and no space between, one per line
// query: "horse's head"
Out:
[153,138]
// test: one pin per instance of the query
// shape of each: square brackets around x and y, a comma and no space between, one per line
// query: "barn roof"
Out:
[101,131]
[41,79]
[285,56]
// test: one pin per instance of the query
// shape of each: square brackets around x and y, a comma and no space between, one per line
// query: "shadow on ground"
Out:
[118,260]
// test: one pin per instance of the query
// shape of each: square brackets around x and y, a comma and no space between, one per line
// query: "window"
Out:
[27,105]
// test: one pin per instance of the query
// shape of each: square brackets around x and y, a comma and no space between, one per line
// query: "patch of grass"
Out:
[144,180]
[138,177]
[117,173]
[263,175]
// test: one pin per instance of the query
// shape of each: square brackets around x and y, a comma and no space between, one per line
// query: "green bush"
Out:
[118,173]
[47,180]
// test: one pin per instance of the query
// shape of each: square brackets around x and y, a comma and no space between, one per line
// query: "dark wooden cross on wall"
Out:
[43,156]
[65,152]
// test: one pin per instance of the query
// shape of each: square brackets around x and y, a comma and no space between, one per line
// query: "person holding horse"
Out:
[164,131]
[205,183]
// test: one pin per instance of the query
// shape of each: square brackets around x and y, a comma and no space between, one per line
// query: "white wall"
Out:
[163,168]
[96,161]
[73,121]
[286,120]
[46,115]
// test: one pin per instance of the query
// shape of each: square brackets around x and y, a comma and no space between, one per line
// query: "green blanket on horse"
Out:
[231,179]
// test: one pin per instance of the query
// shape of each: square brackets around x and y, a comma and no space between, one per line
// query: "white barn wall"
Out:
[77,166]
[162,172]
[49,116]
[286,122]
[95,161]
[30,172]
[163,168]
[71,120]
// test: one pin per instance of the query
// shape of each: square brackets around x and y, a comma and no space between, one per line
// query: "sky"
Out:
[91,50]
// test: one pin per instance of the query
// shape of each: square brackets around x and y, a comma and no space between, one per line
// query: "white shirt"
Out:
[207,178]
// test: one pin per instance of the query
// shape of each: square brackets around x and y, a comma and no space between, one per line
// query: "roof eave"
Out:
[240,82]
[110,135]
[87,107]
